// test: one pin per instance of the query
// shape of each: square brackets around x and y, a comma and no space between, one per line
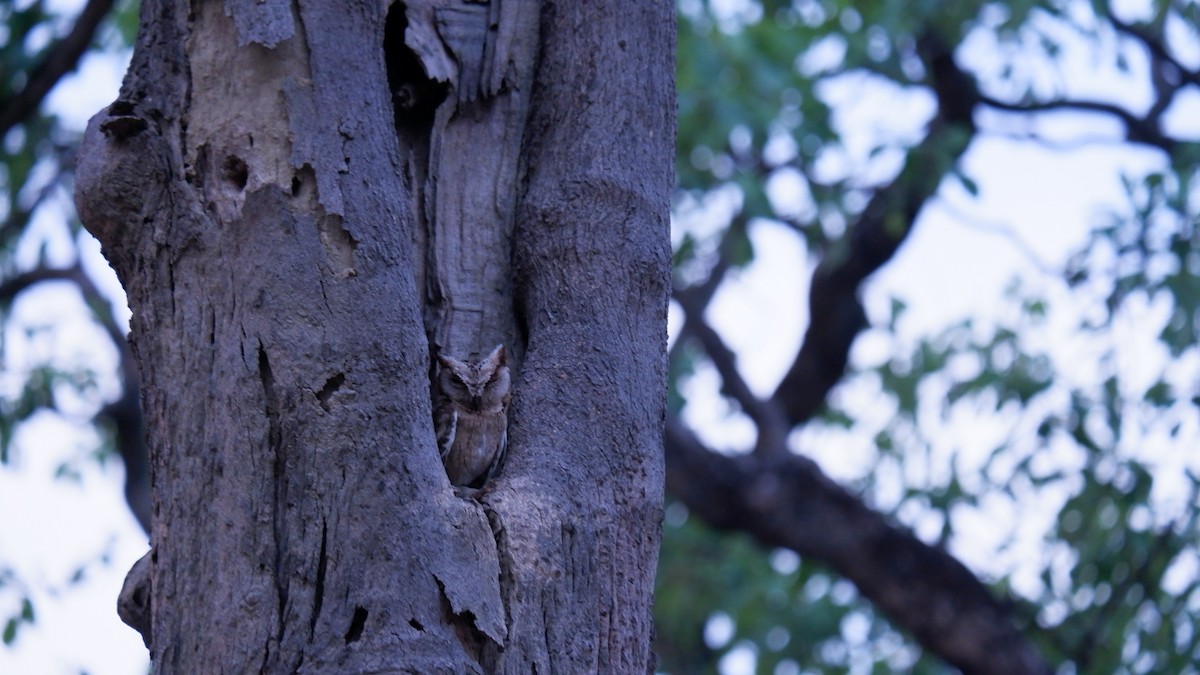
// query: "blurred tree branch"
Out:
[123,416]
[784,499]
[60,59]
[1168,76]
[1143,130]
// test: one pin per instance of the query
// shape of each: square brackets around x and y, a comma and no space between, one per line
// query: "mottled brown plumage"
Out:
[471,416]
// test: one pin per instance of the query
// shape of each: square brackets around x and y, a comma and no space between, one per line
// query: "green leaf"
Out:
[738,249]
[1159,394]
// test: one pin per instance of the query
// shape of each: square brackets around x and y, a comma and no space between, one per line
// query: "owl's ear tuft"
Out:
[498,357]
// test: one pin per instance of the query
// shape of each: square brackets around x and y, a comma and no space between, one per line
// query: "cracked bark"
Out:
[291,257]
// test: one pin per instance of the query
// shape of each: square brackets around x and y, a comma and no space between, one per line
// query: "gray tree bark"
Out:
[302,201]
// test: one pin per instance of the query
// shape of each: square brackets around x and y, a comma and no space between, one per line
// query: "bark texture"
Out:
[299,205]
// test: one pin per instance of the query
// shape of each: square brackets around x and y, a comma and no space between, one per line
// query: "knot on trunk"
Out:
[133,604]
[122,173]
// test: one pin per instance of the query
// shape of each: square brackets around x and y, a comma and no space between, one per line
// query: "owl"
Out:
[471,416]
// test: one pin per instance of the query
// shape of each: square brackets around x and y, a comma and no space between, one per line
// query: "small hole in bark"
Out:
[331,386]
[417,624]
[356,625]
[302,180]
[120,107]
[236,171]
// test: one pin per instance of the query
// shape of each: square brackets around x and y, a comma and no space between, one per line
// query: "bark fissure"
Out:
[357,623]
[319,586]
[280,481]
[504,575]
[266,655]
[415,95]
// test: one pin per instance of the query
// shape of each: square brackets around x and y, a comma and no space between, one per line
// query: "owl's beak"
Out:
[476,403]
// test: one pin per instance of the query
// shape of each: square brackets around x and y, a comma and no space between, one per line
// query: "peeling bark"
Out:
[295,226]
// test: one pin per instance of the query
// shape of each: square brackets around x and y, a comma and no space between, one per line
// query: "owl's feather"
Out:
[471,416]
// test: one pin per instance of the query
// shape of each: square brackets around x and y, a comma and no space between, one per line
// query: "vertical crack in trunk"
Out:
[319,590]
[279,478]
[357,623]
[415,100]
[490,656]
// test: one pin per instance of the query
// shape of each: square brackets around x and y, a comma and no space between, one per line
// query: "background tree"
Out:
[44,254]
[1120,567]
[987,422]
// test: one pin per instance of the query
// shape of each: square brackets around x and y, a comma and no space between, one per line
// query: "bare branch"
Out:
[18,217]
[1002,230]
[786,501]
[693,300]
[13,286]
[768,418]
[702,293]
[1137,130]
[61,59]
[125,414]
[1058,145]
[1157,48]
[836,311]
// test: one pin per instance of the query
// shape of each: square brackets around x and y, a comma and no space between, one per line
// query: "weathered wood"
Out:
[467,167]
[278,228]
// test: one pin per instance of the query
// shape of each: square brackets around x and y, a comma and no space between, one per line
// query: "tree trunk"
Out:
[302,201]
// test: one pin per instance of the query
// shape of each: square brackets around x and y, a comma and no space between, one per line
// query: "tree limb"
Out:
[767,417]
[18,217]
[1155,45]
[124,415]
[15,285]
[836,311]
[1145,131]
[61,59]
[784,500]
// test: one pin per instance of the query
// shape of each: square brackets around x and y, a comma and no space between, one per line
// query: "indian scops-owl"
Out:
[471,416]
